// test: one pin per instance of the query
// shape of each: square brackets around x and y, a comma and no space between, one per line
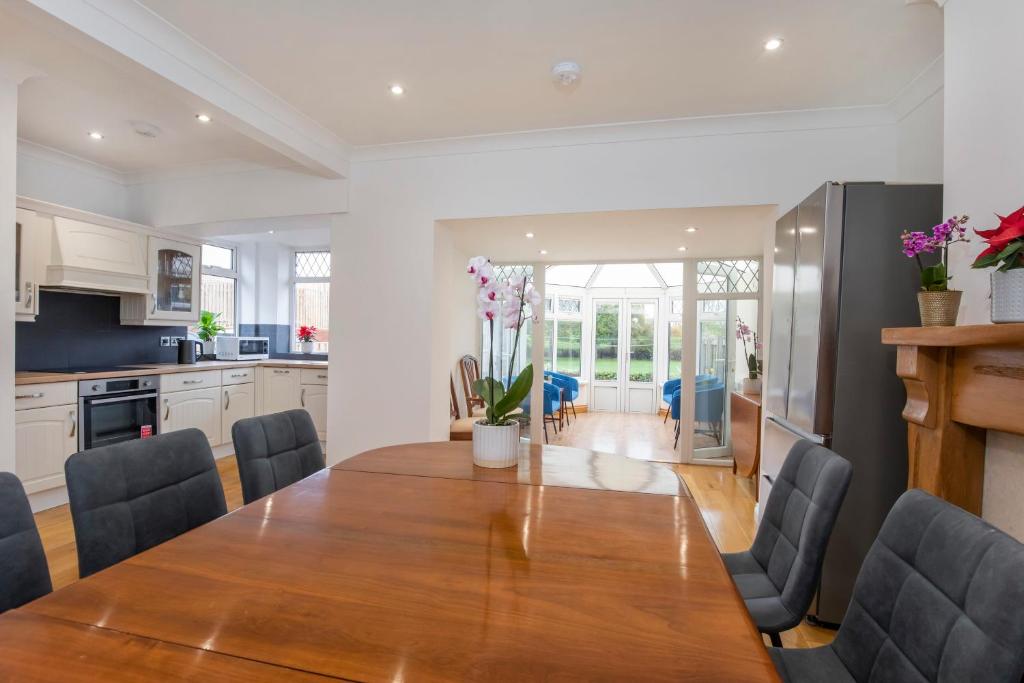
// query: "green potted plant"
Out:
[938,303]
[1005,253]
[207,329]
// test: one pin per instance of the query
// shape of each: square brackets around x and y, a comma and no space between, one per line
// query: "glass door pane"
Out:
[174,280]
[606,363]
[570,339]
[712,373]
[641,341]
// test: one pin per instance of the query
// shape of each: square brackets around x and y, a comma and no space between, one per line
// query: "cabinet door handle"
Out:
[192,381]
[29,290]
[74,423]
[227,399]
[38,394]
[167,411]
[302,397]
[321,376]
[153,309]
[240,374]
[281,372]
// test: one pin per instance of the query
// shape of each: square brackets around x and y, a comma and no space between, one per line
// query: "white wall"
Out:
[388,294]
[8,175]
[55,177]
[984,171]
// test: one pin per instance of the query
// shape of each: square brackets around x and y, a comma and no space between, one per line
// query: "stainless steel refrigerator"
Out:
[839,279]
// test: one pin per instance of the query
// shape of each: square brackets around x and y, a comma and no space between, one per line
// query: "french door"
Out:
[623,377]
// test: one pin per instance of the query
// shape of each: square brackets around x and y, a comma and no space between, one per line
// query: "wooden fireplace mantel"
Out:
[960,381]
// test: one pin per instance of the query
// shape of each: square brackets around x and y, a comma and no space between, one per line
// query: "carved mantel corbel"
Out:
[960,382]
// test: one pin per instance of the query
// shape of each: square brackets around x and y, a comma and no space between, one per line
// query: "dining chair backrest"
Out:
[24,575]
[131,496]
[939,597]
[570,385]
[274,451]
[453,406]
[469,371]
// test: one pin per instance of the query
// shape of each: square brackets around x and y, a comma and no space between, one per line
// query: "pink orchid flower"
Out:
[488,310]
[475,264]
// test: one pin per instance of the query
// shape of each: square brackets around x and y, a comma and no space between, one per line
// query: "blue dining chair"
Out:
[552,401]
[709,405]
[673,410]
[570,387]
[668,390]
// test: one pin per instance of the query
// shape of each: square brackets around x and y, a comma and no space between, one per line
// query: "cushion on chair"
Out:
[939,598]
[274,451]
[778,576]
[131,496]
[23,572]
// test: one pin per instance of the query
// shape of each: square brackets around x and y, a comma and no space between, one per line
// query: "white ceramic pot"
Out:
[1008,296]
[306,347]
[495,446]
[752,386]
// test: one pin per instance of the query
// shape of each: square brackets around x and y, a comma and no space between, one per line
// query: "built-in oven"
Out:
[117,409]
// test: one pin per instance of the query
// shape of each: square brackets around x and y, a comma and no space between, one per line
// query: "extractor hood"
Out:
[96,258]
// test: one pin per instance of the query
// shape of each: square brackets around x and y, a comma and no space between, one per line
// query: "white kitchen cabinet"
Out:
[239,403]
[44,438]
[90,256]
[281,389]
[198,408]
[313,397]
[28,242]
[174,268]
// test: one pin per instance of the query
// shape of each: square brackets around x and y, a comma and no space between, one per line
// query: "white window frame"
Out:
[557,316]
[221,272]
[293,344]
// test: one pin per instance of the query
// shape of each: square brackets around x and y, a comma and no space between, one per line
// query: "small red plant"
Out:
[306,333]
[1005,243]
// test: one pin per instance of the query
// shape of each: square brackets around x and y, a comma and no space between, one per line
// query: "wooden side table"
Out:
[746,435]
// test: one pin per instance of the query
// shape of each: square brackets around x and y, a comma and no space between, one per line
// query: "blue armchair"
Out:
[709,405]
[570,387]
[668,390]
[552,402]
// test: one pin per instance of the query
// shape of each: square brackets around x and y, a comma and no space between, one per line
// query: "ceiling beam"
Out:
[235,99]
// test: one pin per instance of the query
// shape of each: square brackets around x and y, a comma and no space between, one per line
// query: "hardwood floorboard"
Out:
[726,502]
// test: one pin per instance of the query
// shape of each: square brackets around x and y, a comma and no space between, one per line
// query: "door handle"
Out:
[192,381]
[321,376]
[74,423]
[302,397]
[768,479]
[29,290]
[153,309]
[38,394]
[167,409]
[227,399]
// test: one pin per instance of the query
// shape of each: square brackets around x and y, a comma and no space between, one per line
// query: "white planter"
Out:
[495,446]
[306,347]
[1008,296]
[752,386]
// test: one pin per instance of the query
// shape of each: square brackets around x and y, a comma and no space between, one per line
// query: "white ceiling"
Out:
[90,87]
[482,66]
[620,236]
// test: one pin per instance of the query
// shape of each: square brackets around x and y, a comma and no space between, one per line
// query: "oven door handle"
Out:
[118,399]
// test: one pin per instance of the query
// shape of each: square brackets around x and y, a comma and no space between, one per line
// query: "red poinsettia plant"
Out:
[1005,244]
[306,333]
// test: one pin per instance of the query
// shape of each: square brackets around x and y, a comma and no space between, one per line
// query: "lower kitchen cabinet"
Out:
[313,397]
[198,408]
[281,389]
[239,403]
[44,439]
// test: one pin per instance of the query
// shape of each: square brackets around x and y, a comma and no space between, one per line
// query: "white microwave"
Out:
[243,348]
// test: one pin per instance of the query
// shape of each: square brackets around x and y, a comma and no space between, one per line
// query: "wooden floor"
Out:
[646,437]
[726,502]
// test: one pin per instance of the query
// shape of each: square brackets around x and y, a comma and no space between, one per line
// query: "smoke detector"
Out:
[146,130]
[566,74]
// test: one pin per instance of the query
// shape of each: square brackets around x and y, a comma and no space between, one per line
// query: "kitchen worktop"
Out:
[45,377]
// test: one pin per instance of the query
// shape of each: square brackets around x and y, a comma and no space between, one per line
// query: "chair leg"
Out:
[665,421]
[545,430]
[573,406]
[776,639]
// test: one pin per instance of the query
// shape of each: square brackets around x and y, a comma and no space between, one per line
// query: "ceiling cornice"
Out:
[236,100]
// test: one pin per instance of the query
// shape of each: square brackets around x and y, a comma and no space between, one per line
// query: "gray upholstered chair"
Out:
[939,598]
[779,575]
[24,575]
[131,496]
[274,451]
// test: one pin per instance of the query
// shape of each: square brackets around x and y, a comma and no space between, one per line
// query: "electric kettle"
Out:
[187,353]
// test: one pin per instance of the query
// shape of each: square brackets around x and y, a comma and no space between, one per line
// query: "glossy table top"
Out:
[405,564]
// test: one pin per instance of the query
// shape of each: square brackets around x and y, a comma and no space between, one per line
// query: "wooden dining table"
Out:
[409,563]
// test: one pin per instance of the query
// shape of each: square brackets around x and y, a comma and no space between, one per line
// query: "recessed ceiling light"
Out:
[397,89]
[96,135]
[529,235]
[543,252]
[691,229]
[773,44]
[203,118]
[270,232]
[681,249]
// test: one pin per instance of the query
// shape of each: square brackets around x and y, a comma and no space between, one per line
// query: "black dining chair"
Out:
[939,599]
[131,496]
[24,575]
[779,575]
[274,451]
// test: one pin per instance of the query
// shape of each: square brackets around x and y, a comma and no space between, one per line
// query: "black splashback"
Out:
[84,330]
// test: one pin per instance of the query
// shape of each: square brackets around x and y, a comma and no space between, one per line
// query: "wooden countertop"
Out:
[957,335]
[161,369]
[753,398]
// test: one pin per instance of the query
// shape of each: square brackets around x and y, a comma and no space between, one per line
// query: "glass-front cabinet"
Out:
[174,269]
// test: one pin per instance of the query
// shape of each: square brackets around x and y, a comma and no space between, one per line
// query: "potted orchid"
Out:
[752,382]
[496,436]
[938,303]
[307,338]
[1005,253]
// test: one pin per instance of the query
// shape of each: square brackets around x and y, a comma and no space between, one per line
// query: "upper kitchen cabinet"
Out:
[173,296]
[88,256]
